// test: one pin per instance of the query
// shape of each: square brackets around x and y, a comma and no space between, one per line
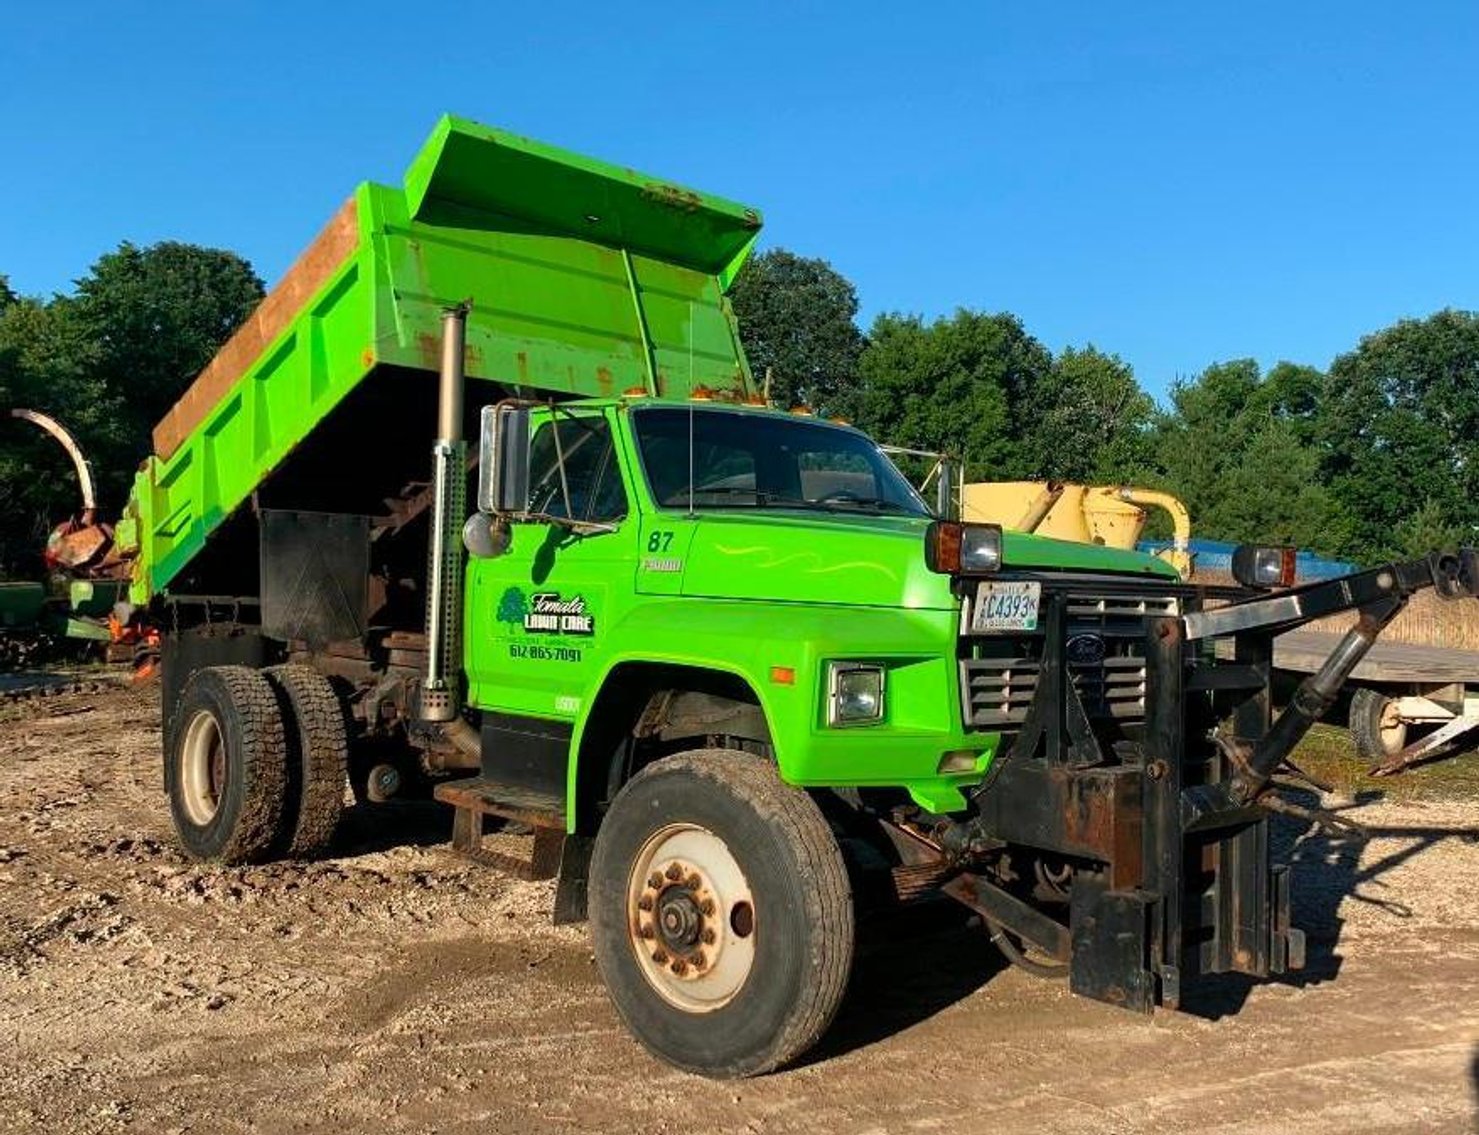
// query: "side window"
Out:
[591,474]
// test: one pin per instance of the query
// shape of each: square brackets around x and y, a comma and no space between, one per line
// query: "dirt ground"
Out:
[399,988]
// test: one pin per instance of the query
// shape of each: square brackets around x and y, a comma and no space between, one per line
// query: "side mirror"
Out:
[486,537]
[503,460]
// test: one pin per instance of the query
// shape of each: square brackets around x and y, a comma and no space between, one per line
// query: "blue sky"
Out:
[1176,183]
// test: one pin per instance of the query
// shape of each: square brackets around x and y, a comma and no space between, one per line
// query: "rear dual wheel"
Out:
[317,759]
[227,773]
[255,764]
[721,914]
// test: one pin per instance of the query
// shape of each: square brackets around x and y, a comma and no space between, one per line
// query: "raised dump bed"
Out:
[585,279]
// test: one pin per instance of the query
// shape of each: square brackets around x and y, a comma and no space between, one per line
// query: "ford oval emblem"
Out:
[1085,650]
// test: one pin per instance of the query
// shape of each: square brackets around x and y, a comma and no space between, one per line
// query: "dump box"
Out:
[591,279]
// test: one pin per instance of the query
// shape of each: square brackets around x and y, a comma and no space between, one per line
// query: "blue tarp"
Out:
[1216,555]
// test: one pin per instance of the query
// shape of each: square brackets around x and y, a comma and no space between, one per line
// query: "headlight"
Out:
[1255,565]
[953,548]
[855,694]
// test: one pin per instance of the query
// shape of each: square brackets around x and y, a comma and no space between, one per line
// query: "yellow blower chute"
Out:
[1112,515]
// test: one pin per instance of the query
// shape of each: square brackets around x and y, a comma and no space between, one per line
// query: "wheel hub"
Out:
[691,918]
[679,921]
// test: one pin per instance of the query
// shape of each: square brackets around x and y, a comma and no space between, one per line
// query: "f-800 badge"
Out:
[549,614]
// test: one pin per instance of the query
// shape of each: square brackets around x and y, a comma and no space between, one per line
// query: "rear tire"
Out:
[721,914]
[227,766]
[317,759]
[1373,728]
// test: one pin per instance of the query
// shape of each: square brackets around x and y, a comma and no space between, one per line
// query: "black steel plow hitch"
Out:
[1164,825]
[1379,595]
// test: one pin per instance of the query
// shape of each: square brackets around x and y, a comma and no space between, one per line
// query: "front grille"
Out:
[999,677]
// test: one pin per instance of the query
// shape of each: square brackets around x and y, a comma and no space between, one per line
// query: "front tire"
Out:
[721,914]
[227,773]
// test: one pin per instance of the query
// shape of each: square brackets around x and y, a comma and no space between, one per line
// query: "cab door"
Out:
[538,615]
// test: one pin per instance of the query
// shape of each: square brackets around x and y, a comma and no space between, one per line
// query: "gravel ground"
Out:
[397,987]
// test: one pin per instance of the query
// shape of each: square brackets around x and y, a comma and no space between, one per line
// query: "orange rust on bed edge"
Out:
[334,244]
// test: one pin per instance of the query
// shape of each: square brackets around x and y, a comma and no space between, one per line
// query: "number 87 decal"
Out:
[659,541]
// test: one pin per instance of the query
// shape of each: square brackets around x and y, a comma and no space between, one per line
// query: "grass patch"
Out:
[1327,754]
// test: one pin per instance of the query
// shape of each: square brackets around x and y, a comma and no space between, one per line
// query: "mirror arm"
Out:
[579,527]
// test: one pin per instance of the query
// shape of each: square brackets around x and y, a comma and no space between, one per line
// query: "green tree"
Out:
[1400,429]
[1086,420]
[7,297]
[47,363]
[949,386]
[796,317]
[156,316]
[1428,529]
[1238,448]
[106,362]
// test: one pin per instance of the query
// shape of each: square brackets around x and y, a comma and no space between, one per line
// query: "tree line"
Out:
[1374,457]
[106,360]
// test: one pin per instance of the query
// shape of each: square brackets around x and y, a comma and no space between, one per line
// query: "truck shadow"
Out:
[910,965]
[368,828]
[1474,1084]
[1328,871]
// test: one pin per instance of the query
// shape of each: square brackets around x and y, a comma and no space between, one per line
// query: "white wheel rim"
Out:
[1392,729]
[691,918]
[203,768]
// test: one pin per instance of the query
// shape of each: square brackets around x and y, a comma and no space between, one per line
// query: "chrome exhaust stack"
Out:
[441,694]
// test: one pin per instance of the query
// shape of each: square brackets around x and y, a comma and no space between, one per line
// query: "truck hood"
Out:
[860,560]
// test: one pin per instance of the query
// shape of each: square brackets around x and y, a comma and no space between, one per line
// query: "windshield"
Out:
[744,460]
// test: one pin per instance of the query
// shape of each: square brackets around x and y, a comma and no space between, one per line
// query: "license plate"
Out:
[1006,606]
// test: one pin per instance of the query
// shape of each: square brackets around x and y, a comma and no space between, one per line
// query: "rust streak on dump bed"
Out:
[333,245]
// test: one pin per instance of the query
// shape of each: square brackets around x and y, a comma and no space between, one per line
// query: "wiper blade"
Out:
[686,497]
[762,497]
[870,502]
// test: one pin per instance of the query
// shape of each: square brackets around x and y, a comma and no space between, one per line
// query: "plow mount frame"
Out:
[1167,825]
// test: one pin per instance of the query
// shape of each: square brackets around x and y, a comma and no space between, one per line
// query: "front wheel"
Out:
[721,914]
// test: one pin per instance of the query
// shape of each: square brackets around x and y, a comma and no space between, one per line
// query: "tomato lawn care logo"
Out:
[549,614]
[545,612]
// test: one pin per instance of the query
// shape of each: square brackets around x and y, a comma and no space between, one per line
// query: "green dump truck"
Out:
[734,675]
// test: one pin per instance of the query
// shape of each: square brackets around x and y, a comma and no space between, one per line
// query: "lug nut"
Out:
[679,966]
[706,907]
[644,903]
[646,931]
[674,872]
[694,882]
[660,956]
[699,961]
[654,880]
[708,937]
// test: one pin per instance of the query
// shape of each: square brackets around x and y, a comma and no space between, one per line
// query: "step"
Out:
[490,798]
[477,797]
